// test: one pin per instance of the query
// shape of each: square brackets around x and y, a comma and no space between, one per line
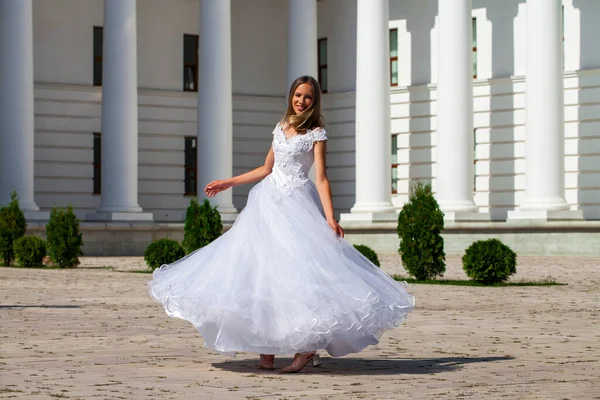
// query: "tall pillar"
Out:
[544,129]
[16,105]
[302,45]
[215,142]
[119,201]
[373,137]
[454,137]
[302,39]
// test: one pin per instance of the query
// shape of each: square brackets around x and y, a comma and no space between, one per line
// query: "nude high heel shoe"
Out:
[300,361]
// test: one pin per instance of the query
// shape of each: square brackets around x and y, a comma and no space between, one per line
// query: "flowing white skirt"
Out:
[280,281]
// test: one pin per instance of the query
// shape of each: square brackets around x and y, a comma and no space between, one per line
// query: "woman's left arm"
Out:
[324,188]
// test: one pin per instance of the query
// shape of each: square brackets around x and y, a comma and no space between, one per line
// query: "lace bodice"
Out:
[294,156]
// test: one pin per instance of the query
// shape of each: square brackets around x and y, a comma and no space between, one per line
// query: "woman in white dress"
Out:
[283,280]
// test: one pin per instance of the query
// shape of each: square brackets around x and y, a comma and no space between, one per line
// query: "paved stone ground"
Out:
[93,332]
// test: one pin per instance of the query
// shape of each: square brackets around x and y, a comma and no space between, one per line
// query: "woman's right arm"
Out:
[255,175]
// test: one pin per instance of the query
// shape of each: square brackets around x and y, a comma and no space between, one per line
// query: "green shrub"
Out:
[12,227]
[368,252]
[489,261]
[420,224]
[202,225]
[161,252]
[30,251]
[64,240]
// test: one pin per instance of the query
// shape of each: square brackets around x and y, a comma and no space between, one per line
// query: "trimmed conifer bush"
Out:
[368,252]
[202,225]
[161,252]
[12,227]
[30,251]
[64,240]
[489,261]
[420,225]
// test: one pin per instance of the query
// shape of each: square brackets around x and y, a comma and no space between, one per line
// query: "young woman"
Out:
[283,280]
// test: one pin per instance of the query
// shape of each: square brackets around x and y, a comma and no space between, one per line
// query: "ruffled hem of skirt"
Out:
[343,333]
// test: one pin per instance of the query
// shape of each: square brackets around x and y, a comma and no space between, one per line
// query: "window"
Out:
[394,57]
[97,163]
[190,63]
[394,164]
[190,167]
[474,24]
[322,56]
[98,43]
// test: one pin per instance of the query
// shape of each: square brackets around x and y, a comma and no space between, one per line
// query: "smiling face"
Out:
[303,97]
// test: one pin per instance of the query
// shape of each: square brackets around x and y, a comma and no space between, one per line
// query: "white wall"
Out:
[63,40]
[337,23]
[501,30]
[160,29]
[66,116]
[259,47]
[498,101]
[415,20]
[68,107]
[499,122]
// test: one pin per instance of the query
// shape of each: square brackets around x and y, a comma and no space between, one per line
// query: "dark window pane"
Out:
[98,31]
[190,63]
[393,42]
[97,163]
[97,73]
[190,167]
[323,82]
[190,50]
[394,72]
[189,77]
[98,44]
[323,52]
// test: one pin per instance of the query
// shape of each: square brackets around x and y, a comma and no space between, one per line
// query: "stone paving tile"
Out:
[93,333]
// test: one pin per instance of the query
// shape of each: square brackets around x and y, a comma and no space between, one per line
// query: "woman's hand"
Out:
[215,187]
[336,227]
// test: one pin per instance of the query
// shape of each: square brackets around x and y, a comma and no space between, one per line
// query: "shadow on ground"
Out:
[35,306]
[360,366]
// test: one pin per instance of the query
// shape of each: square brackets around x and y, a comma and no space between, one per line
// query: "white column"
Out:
[454,137]
[373,137]
[119,115]
[302,39]
[544,137]
[16,105]
[215,143]
[302,45]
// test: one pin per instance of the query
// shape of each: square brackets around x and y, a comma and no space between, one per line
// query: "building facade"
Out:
[126,109]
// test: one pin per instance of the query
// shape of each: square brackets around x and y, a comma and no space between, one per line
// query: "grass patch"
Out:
[35,267]
[464,282]
[8,390]
[108,267]
[138,271]
[59,396]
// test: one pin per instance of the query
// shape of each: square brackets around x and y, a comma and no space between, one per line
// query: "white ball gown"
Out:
[280,281]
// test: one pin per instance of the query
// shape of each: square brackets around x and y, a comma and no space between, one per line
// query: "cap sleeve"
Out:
[319,135]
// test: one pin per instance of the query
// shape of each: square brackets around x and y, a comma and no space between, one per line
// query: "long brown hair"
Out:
[311,117]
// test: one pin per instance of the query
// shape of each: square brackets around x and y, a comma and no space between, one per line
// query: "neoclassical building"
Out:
[126,109]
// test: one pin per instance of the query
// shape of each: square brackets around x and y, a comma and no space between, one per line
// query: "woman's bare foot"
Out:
[267,361]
